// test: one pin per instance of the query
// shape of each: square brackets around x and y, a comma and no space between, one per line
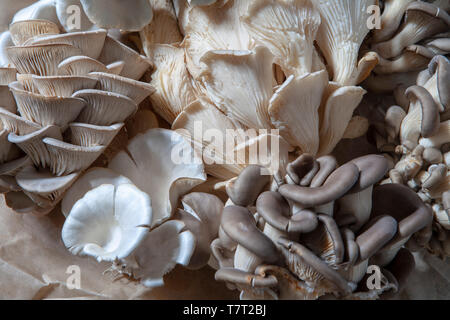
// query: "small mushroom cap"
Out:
[43,181]
[430,111]
[375,235]
[404,205]
[372,168]
[132,15]
[298,168]
[108,223]
[244,190]
[240,225]
[276,211]
[335,186]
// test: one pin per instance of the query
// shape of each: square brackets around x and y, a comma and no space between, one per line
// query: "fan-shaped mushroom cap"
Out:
[294,109]
[240,225]
[276,211]
[372,168]
[430,112]
[88,135]
[108,223]
[287,29]
[340,35]
[13,123]
[201,215]
[135,65]
[155,164]
[92,179]
[135,90]
[164,247]
[21,31]
[33,146]
[335,186]
[104,108]
[62,86]
[43,183]
[89,42]
[41,60]
[130,16]
[80,65]
[66,158]
[245,189]
[229,71]
[46,110]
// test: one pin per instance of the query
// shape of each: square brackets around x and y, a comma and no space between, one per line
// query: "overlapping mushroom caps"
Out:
[410,35]
[61,107]
[315,235]
[416,137]
[127,214]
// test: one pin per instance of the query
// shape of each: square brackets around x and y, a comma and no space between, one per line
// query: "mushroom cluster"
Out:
[64,98]
[415,136]
[316,233]
[290,65]
[410,34]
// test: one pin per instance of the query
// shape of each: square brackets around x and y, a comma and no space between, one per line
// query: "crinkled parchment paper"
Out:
[34,261]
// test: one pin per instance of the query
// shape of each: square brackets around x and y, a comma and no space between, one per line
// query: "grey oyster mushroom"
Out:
[55,127]
[417,141]
[286,248]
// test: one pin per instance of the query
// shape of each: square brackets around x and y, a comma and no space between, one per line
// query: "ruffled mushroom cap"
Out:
[335,186]
[106,225]
[130,16]
[201,214]
[164,247]
[161,163]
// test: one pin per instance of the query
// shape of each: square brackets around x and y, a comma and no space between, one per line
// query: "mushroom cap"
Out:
[89,135]
[14,123]
[108,223]
[301,166]
[62,86]
[335,186]
[21,31]
[441,65]
[240,225]
[132,15]
[372,168]
[276,211]
[244,190]
[430,111]
[78,65]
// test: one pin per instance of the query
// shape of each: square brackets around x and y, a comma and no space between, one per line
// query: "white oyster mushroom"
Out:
[163,164]
[9,9]
[65,12]
[108,223]
[130,15]
[5,42]
[163,248]
[92,179]
[42,10]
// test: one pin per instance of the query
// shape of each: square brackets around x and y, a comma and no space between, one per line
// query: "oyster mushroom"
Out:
[358,201]
[62,86]
[41,10]
[22,31]
[390,19]
[407,208]
[100,224]
[161,163]
[340,36]
[65,16]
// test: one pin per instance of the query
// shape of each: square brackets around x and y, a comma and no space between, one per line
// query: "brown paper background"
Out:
[33,262]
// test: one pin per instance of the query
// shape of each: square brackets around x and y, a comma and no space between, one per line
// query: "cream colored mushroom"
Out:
[21,31]
[106,225]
